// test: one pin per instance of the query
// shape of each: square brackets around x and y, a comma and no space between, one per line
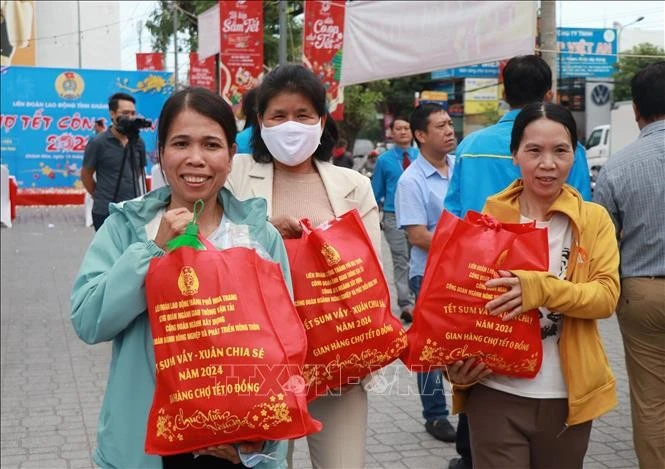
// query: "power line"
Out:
[95,28]
[621,54]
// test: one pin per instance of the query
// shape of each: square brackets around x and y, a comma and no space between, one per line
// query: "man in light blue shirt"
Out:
[418,206]
[484,166]
[389,167]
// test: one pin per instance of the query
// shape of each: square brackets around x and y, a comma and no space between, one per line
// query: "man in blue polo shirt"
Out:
[388,169]
[418,206]
[484,162]
[484,166]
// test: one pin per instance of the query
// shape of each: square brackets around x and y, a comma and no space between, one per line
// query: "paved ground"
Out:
[52,383]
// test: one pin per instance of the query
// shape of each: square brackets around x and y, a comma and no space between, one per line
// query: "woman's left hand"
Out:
[509,302]
[228,452]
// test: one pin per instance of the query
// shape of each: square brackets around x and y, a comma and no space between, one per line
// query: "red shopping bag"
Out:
[450,321]
[229,350]
[343,301]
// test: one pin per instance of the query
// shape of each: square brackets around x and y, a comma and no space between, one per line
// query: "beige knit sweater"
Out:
[300,196]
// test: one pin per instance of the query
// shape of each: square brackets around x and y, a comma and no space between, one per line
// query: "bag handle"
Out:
[307,227]
[483,219]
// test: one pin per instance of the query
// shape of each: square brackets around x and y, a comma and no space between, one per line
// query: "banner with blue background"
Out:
[586,52]
[48,114]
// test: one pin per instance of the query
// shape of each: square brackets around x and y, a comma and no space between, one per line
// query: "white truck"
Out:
[605,140]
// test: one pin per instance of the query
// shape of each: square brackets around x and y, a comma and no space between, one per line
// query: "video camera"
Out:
[130,126]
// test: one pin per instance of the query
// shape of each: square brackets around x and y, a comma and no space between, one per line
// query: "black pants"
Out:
[98,220]
[188,461]
[463,441]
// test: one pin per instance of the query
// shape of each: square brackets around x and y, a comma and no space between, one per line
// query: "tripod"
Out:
[137,167]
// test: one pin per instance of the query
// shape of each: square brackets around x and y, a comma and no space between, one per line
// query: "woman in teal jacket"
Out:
[195,140]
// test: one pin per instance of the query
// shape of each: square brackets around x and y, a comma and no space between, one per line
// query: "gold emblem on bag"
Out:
[502,258]
[330,254]
[188,281]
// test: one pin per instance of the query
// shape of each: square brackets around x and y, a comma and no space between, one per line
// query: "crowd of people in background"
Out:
[528,167]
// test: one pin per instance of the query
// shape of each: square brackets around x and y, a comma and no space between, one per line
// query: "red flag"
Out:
[202,73]
[323,37]
[149,61]
[241,48]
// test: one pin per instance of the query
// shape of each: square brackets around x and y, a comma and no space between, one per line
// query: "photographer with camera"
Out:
[114,162]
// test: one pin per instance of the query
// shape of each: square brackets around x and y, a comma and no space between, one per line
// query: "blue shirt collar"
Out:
[427,168]
[399,151]
[510,116]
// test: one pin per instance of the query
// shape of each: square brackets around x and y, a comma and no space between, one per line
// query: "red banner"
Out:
[149,61]
[241,48]
[202,73]
[323,37]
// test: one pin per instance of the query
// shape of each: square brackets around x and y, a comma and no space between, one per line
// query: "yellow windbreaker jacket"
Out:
[589,292]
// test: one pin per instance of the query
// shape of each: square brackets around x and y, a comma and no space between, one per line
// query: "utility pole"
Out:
[139,30]
[282,32]
[78,21]
[175,43]
[548,42]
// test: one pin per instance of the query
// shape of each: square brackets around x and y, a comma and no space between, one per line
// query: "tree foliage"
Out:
[626,67]
[360,108]
[160,23]
[400,97]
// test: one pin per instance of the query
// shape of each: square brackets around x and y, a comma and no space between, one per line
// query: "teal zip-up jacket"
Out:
[109,303]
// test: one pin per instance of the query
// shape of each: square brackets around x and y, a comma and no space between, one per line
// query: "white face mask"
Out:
[291,143]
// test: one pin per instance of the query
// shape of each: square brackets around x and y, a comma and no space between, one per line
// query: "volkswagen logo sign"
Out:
[600,95]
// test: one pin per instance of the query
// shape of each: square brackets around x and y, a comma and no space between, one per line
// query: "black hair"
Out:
[249,109]
[113,100]
[398,118]
[648,89]
[201,101]
[535,111]
[293,78]
[526,79]
[420,118]
[99,121]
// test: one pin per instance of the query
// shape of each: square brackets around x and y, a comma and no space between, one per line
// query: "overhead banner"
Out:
[47,116]
[586,52]
[208,28]
[202,72]
[149,61]
[395,39]
[241,48]
[323,37]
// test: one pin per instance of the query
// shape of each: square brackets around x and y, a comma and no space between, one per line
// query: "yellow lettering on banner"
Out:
[187,374]
[180,396]
[344,326]
[485,325]
[211,352]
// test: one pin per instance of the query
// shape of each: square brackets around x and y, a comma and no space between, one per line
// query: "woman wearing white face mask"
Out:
[290,168]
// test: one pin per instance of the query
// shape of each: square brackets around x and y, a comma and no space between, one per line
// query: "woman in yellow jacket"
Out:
[545,422]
